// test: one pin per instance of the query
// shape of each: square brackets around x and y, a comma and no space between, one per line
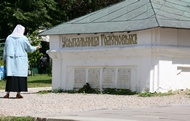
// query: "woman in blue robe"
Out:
[16,60]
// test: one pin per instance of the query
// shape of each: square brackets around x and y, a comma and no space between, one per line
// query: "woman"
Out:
[16,59]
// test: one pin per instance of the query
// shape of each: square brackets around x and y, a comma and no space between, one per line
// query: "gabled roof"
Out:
[129,15]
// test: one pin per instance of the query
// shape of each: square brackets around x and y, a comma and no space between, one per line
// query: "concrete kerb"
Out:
[73,118]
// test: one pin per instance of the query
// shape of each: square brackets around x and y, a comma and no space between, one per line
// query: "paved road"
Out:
[167,113]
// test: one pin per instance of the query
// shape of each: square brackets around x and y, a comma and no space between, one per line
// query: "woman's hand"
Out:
[38,47]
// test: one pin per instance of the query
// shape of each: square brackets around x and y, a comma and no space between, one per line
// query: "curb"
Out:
[70,118]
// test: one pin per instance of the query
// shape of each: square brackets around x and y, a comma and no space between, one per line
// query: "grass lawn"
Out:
[38,80]
[12,118]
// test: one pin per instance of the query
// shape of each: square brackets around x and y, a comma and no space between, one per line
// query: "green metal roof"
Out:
[129,15]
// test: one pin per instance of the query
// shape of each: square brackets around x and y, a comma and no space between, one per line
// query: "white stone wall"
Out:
[158,62]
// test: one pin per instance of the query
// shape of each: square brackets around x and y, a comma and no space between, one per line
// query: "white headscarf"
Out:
[18,31]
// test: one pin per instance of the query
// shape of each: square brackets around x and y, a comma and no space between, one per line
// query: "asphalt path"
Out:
[166,113]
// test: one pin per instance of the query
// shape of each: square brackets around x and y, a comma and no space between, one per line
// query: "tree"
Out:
[34,14]
[71,9]
[30,13]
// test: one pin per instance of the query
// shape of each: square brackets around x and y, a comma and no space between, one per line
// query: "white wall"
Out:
[174,59]
[155,61]
[109,59]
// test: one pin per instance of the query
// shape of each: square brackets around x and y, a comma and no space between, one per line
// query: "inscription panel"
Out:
[79,77]
[123,78]
[94,77]
[99,40]
[108,77]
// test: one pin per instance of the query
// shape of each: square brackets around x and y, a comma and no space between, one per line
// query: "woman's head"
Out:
[18,31]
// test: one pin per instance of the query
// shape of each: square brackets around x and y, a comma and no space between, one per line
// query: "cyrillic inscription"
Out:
[103,40]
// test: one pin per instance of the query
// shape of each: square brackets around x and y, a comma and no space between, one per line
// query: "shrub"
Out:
[87,89]
[33,57]
[118,91]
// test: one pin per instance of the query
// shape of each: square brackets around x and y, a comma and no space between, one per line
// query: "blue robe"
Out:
[16,57]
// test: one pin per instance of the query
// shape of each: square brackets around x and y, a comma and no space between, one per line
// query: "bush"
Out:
[87,89]
[34,56]
[118,91]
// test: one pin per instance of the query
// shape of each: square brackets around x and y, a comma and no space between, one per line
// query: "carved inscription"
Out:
[94,77]
[123,78]
[80,77]
[108,77]
[118,39]
[102,40]
[80,42]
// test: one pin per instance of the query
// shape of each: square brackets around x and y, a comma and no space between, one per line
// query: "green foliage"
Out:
[34,56]
[30,13]
[1,51]
[1,62]
[44,92]
[63,91]
[118,91]
[87,89]
[58,91]
[154,94]
[12,118]
[35,14]
[2,84]
[83,7]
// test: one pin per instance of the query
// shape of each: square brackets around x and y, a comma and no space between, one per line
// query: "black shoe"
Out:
[6,96]
[19,96]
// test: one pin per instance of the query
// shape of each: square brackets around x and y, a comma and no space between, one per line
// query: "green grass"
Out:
[155,94]
[38,80]
[12,118]
[2,84]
